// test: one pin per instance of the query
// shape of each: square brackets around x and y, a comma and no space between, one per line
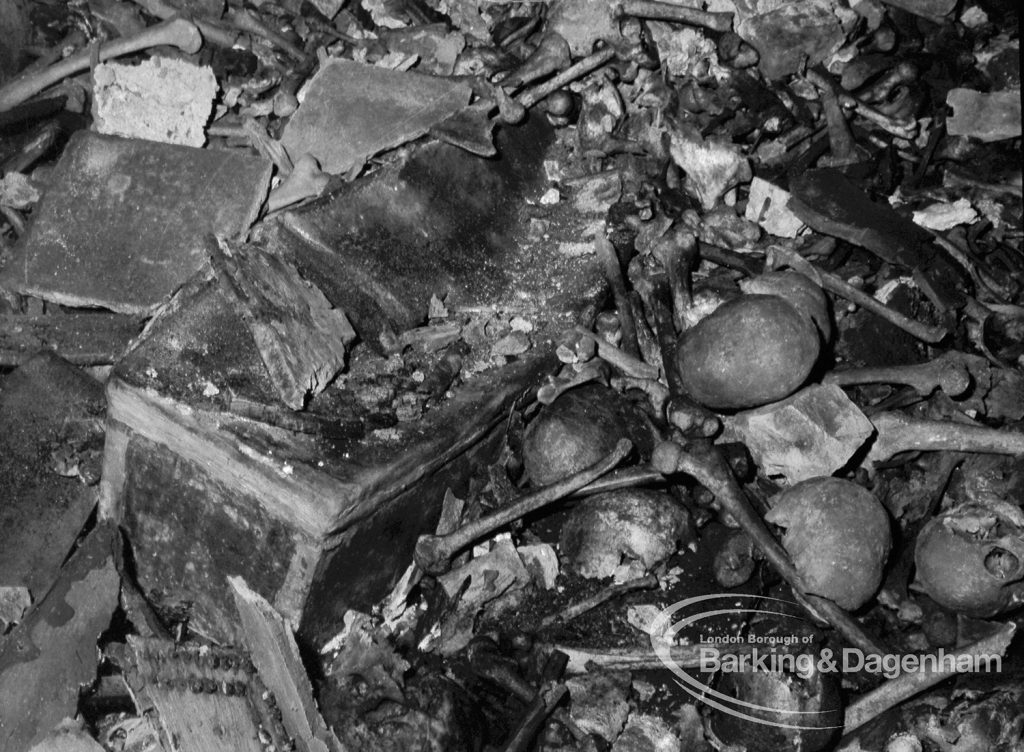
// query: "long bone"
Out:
[434,552]
[947,372]
[897,434]
[174,33]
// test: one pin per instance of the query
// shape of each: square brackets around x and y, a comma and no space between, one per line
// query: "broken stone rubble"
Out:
[813,433]
[160,99]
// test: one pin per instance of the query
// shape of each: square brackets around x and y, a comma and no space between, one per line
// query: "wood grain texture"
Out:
[276,656]
[301,338]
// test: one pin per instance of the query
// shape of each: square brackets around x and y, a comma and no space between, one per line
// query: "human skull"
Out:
[971,559]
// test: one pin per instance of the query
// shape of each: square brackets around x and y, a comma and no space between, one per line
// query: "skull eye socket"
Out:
[1001,563]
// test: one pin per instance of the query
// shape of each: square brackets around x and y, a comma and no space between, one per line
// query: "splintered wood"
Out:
[301,338]
[276,656]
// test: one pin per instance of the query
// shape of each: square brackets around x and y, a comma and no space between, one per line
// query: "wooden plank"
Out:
[276,655]
[200,698]
[301,495]
[201,722]
[84,339]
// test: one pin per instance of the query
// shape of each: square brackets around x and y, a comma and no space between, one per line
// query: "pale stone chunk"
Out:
[160,99]
[813,433]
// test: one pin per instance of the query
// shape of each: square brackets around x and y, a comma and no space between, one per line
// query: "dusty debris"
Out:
[577,198]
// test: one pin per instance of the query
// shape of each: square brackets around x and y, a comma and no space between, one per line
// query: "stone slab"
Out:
[441,222]
[351,111]
[122,225]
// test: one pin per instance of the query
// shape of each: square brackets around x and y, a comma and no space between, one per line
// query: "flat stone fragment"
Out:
[124,222]
[351,111]
[993,116]
[160,99]
[813,433]
[768,205]
[790,34]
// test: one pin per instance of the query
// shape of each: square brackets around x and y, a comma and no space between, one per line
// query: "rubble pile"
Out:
[459,375]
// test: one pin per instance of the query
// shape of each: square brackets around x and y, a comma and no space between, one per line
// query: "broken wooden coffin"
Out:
[317,521]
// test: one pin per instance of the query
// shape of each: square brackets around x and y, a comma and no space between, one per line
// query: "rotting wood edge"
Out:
[314,503]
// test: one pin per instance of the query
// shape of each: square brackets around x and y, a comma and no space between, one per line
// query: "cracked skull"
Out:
[971,559]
